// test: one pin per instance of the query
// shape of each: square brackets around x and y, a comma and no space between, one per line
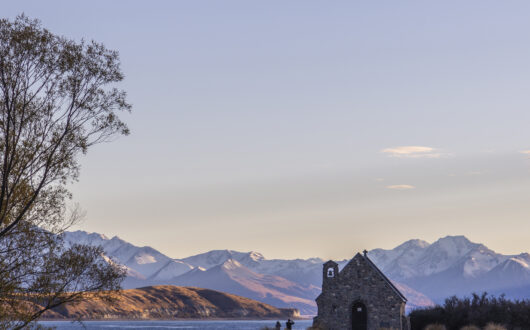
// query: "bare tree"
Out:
[57,99]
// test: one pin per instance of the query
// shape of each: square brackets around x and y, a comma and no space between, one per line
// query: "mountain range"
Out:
[425,273]
[453,265]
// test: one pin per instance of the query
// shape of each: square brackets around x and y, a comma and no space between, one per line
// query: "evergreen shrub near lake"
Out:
[483,311]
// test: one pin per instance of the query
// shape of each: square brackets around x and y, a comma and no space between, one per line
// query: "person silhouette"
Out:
[278,325]
[289,324]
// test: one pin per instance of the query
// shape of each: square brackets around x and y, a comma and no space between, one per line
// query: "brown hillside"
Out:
[171,302]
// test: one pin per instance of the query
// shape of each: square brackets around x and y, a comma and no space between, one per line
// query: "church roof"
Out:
[389,282]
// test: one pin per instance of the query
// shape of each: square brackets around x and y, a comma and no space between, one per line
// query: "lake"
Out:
[159,325]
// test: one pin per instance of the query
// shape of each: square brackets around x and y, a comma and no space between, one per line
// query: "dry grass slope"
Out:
[171,302]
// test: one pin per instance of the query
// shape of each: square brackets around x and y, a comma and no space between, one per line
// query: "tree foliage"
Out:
[478,310]
[57,99]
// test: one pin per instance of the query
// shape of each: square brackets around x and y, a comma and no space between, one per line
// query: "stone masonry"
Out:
[359,297]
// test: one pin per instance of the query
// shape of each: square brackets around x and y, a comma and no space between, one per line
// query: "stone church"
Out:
[359,297]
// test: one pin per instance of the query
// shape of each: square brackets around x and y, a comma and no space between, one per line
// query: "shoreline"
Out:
[173,319]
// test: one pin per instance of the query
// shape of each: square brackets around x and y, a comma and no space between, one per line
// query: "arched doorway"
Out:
[359,317]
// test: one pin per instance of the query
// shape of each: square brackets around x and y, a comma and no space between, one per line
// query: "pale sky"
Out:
[309,128]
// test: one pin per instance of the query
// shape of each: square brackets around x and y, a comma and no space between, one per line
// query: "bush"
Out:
[482,311]
[470,327]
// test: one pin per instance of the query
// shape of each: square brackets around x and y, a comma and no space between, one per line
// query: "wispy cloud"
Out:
[412,152]
[401,187]
[526,152]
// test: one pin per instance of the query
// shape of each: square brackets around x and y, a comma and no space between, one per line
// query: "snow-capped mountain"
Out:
[232,277]
[416,258]
[422,271]
[145,260]
[453,265]
[512,277]
[218,257]
[303,271]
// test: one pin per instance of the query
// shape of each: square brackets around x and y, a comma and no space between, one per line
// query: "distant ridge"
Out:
[171,302]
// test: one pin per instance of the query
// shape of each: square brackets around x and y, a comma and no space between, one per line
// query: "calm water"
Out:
[160,325]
